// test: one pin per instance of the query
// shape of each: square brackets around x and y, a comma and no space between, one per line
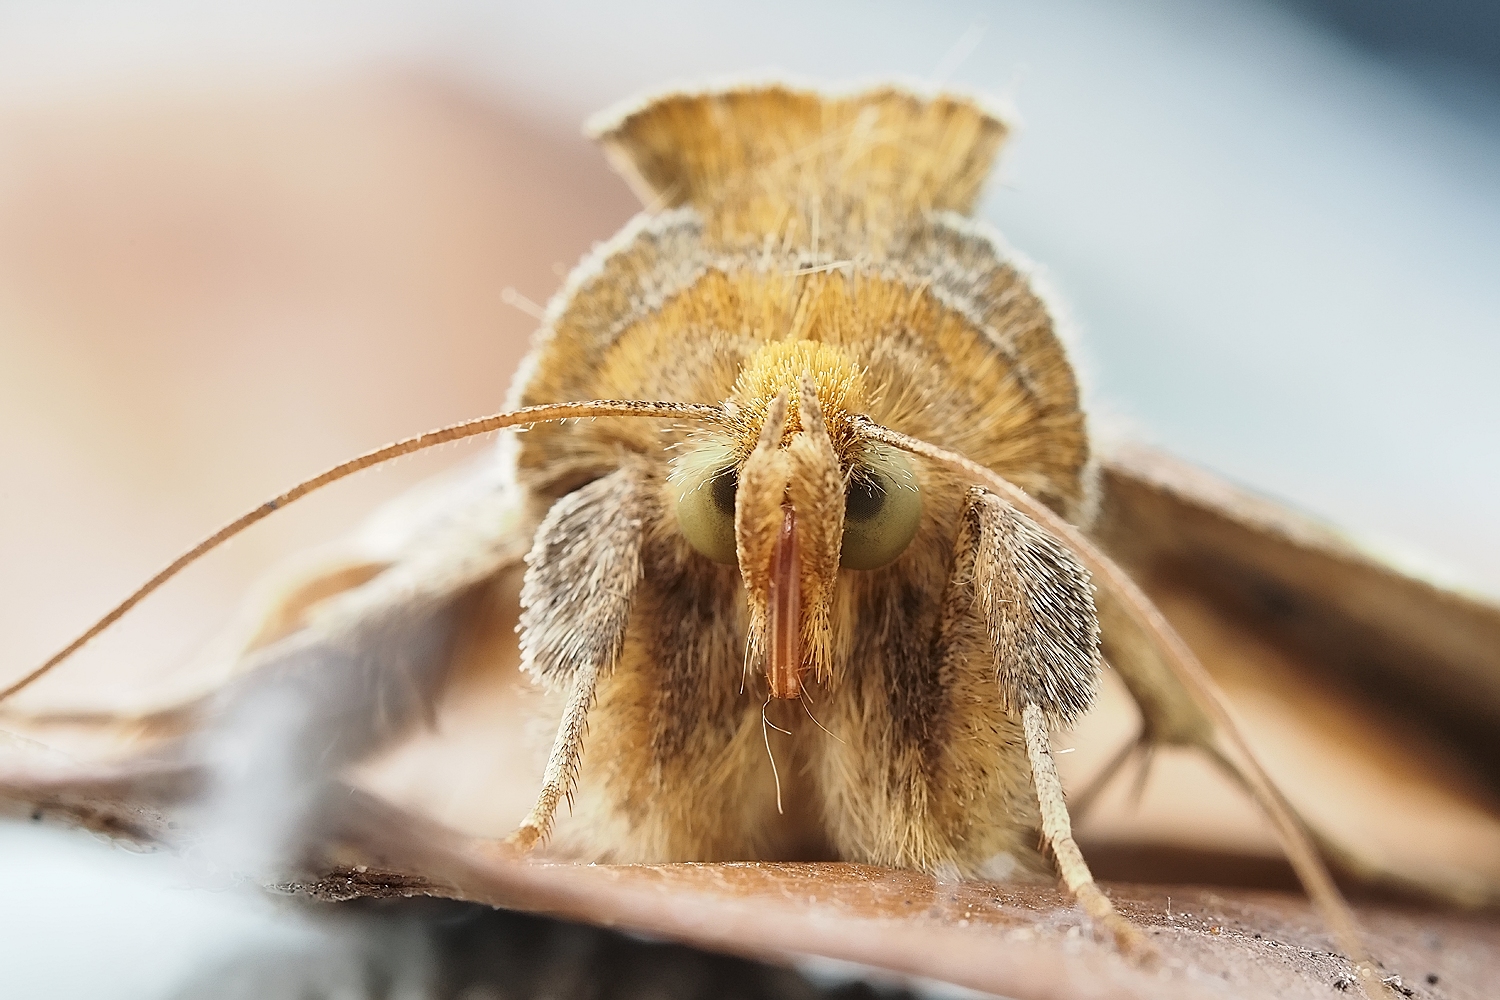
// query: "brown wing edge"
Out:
[1409,643]
[1418,665]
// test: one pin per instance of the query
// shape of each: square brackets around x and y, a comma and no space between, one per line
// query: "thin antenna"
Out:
[1185,665]
[959,54]
[429,439]
[766,734]
[513,298]
[814,718]
[1084,801]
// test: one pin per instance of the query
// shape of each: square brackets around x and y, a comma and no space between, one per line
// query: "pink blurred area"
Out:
[206,296]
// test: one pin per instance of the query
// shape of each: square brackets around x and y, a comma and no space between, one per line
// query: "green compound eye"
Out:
[705,512]
[882,508]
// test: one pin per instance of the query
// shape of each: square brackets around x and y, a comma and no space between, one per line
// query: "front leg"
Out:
[923,766]
[1037,605]
[938,757]
[581,578]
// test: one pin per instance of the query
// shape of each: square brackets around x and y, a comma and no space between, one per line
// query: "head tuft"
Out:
[778,367]
[750,156]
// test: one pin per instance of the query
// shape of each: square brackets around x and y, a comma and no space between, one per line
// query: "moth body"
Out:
[807,261]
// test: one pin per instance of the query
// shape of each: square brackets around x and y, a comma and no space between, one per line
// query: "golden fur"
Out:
[791,234]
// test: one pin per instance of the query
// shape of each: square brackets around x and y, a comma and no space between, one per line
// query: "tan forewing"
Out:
[1365,690]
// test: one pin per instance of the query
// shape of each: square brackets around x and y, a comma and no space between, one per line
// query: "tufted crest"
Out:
[841,218]
[756,159]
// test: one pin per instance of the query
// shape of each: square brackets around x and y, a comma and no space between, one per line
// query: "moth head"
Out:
[791,494]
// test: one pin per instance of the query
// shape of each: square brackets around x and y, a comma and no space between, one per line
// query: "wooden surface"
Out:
[1019,941]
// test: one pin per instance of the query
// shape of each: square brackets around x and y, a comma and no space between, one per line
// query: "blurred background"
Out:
[240,242]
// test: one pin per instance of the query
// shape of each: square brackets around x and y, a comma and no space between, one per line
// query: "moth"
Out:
[810,518]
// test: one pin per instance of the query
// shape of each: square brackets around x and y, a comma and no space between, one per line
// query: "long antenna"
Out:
[429,439]
[1186,666]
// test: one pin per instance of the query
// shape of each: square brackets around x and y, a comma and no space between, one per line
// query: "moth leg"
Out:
[1085,799]
[1058,829]
[1180,703]
[562,764]
[1036,601]
[131,726]
[581,579]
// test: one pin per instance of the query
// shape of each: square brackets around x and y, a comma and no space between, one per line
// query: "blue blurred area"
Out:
[82,917]
[1459,38]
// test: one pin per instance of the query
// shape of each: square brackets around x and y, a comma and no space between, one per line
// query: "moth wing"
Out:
[361,637]
[278,605]
[529,660]
[478,766]
[1368,692]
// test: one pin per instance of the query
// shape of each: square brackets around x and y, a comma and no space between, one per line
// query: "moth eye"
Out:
[705,513]
[882,509]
